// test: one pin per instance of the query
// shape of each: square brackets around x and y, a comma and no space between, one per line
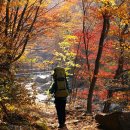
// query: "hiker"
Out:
[60,89]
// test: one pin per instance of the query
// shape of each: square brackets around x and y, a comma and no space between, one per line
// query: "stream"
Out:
[39,83]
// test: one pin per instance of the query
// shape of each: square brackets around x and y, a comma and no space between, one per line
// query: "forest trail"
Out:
[76,119]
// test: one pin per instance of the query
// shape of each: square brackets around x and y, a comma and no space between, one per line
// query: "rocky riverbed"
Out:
[40,84]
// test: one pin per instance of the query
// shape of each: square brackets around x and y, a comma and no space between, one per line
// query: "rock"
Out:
[125,120]
[115,107]
[114,121]
[42,79]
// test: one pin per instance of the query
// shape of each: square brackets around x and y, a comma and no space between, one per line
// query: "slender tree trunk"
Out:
[121,56]
[118,72]
[29,31]
[119,67]
[97,62]
[107,103]
[84,38]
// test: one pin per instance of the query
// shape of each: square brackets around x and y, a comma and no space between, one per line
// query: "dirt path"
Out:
[76,119]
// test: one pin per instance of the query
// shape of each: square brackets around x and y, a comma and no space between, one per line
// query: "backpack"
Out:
[61,82]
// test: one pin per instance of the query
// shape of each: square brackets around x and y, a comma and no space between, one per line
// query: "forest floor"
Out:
[76,118]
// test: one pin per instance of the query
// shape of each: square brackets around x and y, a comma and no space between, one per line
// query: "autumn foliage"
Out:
[89,38]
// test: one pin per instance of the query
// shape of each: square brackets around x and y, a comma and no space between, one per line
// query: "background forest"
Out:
[89,38]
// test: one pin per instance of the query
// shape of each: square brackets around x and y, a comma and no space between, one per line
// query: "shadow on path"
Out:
[65,128]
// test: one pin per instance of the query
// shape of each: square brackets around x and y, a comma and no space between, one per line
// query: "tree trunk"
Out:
[108,103]
[84,37]
[121,57]
[120,61]
[119,70]
[97,62]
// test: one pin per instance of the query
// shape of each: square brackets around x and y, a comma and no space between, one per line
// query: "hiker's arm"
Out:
[52,88]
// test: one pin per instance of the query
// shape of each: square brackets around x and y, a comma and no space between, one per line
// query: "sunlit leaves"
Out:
[70,37]
[64,45]
[10,107]
[17,22]
[109,2]
[17,3]
[66,55]
[106,2]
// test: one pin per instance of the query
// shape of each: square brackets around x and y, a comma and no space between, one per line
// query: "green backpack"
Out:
[61,82]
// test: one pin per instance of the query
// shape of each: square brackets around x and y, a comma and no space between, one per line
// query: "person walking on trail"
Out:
[61,90]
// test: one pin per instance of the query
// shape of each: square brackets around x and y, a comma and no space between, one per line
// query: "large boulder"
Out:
[42,79]
[125,120]
[114,121]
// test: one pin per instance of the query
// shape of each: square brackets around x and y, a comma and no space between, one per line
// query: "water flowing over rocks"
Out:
[40,83]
